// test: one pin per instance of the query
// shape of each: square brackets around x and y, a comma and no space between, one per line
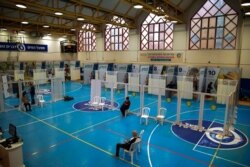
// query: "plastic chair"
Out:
[145,114]
[102,102]
[41,101]
[139,141]
[161,116]
[131,151]
[95,102]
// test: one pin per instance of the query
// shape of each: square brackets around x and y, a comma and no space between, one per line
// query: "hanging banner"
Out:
[173,57]
[171,74]
[135,68]
[6,46]
[144,69]
[211,79]
[182,70]
[157,69]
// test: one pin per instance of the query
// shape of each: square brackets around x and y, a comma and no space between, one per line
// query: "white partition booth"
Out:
[19,71]
[134,82]
[111,77]
[144,70]
[185,85]
[100,74]
[224,88]
[40,75]
[122,75]
[88,73]
[18,75]
[75,73]
[156,84]
[59,73]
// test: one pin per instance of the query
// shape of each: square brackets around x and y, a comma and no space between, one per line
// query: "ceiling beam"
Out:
[153,9]
[67,14]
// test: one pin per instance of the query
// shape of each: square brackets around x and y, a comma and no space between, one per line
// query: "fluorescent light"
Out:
[80,19]
[247,13]
[245,4]
[45,26]
[25,22]
[3,29]
[58,13]
[21,6]
[22,31]
[72,29]
[174,21]
[138,6]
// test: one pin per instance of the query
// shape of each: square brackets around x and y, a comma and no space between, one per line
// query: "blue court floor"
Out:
[63,135]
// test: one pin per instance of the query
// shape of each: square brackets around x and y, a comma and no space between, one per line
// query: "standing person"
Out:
[67,71]
[26,102]
[125,106]
[126,145]
[32,93]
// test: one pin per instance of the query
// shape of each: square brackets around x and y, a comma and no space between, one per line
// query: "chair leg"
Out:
[132,158]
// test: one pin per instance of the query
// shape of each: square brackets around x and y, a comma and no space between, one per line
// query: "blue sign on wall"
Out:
[5,46]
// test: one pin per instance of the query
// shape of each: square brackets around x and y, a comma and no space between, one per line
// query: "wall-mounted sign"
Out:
[173,57]
[5,46]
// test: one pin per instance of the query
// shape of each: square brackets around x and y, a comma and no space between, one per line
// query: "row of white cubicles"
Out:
[158,84]
[43,75]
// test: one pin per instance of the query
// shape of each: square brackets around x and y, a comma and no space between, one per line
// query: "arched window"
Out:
[87,38]
[116,37]
[156,33]
[214,26]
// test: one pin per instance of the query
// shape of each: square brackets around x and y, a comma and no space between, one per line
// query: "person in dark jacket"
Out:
[126,145]
[125,106]
[32,93]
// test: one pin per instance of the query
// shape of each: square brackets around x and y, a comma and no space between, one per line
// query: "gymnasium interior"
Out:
[68,67]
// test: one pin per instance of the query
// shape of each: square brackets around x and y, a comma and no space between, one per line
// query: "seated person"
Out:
[125,106]
[26,102]
[126,145]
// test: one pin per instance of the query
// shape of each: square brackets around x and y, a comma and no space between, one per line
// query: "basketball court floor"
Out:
[72,134]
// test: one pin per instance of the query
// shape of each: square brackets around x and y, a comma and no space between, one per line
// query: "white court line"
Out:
[221,158]
[9,105]
[194,149]
[149,138]
[75,89]
[46,118]
[222,121]
[105,121]
[202,136]
[94,125]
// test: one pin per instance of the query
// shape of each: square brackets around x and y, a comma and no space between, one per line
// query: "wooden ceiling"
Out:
[97,12]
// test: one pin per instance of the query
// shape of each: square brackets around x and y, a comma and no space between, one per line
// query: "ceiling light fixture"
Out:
[3,29]
[22,31]
[45,26]
[80,19]
[247,13]
[72,29]
[245,3]
[25,22]
[138,6]
[174,21]
[21,6]
[58,13]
